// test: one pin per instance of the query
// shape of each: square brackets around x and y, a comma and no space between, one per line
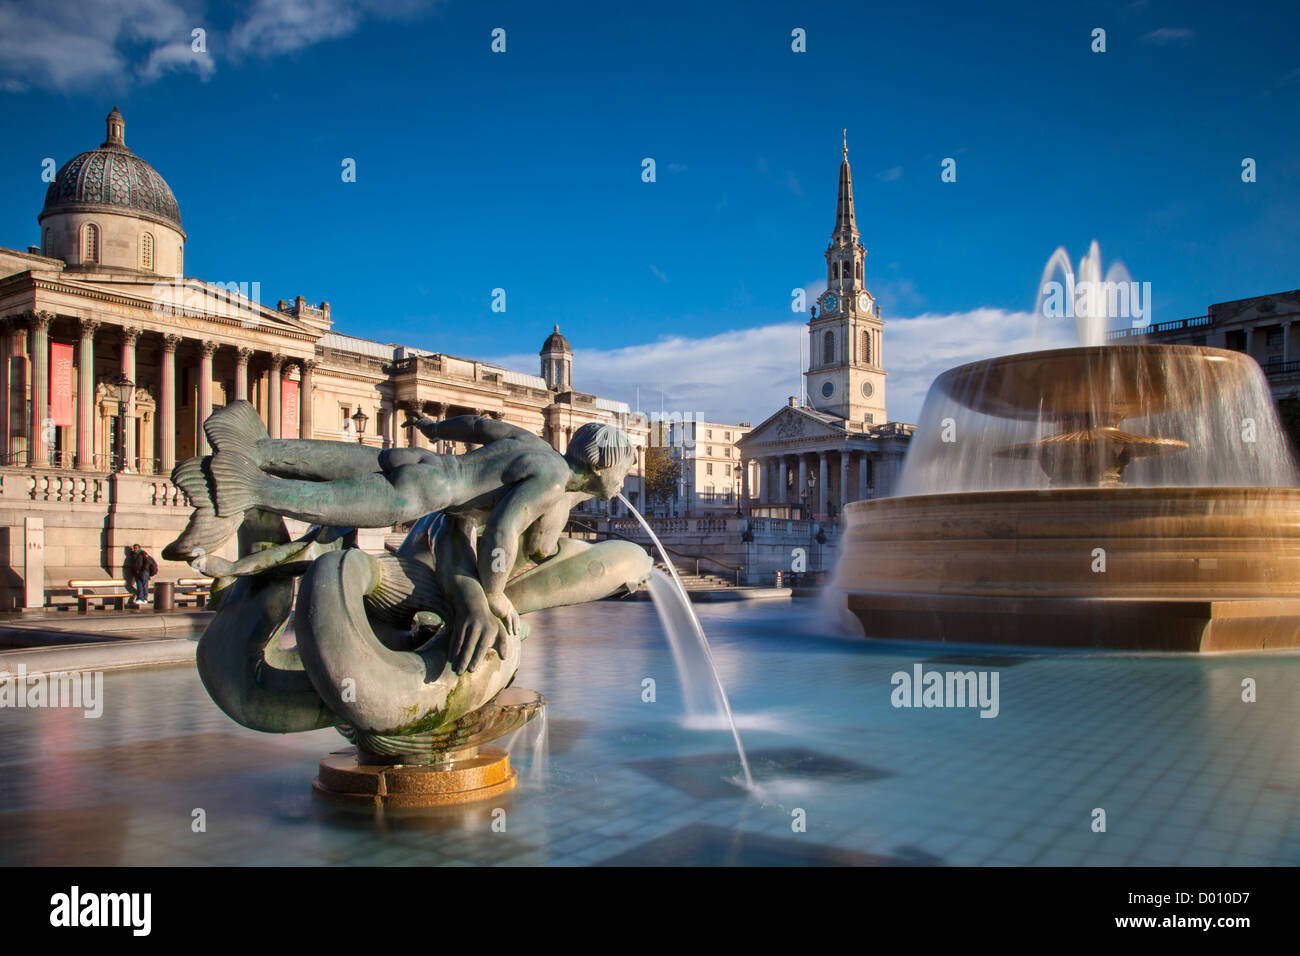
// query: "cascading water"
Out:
[681,624]
[1191,416]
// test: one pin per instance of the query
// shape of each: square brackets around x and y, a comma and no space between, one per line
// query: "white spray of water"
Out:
[680,620]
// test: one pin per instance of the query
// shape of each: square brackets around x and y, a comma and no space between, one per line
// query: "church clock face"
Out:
[864,302]
[830,303]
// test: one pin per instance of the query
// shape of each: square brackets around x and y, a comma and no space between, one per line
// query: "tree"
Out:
[662,470]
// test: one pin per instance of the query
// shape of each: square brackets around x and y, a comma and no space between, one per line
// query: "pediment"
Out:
[791,424]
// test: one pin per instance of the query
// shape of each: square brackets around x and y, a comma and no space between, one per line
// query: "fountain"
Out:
[1119,496]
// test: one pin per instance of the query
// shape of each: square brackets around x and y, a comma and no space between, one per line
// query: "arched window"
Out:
[828,348]
[90,247]
[866,348]
[835,271]
[146,252]
[859,269]
[180,252]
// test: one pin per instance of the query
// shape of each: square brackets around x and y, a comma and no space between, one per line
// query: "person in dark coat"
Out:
[141,566]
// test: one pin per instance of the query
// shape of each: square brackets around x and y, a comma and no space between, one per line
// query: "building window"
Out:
[91,247]
[828,348]
[726,436]
[146,252]
[708,468]
[866,348]
[708,433]
[835,270]
[180,252]
[859,268]
[869,418]
[728,471]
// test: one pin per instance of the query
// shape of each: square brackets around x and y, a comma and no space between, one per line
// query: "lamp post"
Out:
[807,495]
[359,419]
[125,389]
[739,510]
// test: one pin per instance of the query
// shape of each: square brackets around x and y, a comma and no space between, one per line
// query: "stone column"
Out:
[744,484]
[306,421]
[801,489]
[15,422]
[205,393]
[167,404]
[242,356]
[783,482]
[86,395]
[1286,341]
[864,472]
[129,463]
[38,449]
[273,395]
[6,387]
[845,495]
[823,479]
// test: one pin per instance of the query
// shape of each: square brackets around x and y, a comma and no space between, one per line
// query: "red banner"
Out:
[61,383]
[288,409]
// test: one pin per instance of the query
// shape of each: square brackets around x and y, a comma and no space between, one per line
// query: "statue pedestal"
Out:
[476,773]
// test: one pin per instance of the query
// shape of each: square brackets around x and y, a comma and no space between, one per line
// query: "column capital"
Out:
[171,342]
[208,347]
[243,354]
[308,365]
[276,361]
[39,321]
[88,326]
[130,334]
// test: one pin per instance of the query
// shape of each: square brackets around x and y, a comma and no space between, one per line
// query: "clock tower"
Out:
[846,375]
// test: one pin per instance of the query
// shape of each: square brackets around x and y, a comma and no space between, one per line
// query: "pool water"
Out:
[1184,770]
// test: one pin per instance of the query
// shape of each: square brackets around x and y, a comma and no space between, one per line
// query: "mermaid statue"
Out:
[404,652]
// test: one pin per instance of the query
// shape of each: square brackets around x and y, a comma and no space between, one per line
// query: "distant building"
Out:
[813,458]
[1262,326]
[709,467]
[99,326]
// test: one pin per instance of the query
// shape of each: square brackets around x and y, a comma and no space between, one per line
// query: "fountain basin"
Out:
[1185,569]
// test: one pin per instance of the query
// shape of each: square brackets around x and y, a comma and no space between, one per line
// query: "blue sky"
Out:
[522,170]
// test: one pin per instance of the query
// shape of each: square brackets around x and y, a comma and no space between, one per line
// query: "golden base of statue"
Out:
[473,774]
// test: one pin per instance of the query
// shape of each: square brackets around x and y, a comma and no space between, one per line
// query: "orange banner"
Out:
[61,383]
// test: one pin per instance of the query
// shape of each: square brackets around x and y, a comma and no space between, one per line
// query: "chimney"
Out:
[793,401]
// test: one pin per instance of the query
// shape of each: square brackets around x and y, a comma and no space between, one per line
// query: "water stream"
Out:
[680,621]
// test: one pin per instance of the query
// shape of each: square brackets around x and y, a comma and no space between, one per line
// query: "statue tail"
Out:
[237,428]
[237,483]
[205,532]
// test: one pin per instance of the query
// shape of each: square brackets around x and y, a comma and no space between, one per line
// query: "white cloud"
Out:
[658,273]
[890,174]
[78,44]
[1168,36]
[747,374]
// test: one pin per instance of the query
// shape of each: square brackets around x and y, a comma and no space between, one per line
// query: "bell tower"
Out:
[846,375]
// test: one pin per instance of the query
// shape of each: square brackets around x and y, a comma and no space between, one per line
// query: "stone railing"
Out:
[58,487]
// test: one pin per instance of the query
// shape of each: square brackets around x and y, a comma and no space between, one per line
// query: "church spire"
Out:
[846,225]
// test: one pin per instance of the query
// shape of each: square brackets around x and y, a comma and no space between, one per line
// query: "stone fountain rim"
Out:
[1165,492]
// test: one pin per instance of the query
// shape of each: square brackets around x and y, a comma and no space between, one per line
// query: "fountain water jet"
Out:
[676,613]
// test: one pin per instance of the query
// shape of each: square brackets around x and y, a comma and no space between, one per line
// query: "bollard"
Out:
[779,577]
[164,596]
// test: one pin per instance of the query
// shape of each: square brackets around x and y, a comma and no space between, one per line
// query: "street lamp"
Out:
[807,496]
[125,389]
[359,419]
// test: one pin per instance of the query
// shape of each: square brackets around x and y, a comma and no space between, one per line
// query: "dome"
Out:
[556,342]
[112,179]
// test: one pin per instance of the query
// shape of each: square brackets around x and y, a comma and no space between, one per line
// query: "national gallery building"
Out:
[111,358]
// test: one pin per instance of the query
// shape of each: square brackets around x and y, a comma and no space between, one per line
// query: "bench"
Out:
[193,591]
[104,591]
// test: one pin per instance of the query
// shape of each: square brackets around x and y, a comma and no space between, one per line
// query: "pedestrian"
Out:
[140,567]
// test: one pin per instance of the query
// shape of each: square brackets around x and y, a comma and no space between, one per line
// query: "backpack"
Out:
[153,565]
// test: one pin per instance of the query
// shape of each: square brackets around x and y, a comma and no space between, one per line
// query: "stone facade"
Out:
[709,463]
[78,320]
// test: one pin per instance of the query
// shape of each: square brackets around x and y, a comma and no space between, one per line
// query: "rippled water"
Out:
[1185,771]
